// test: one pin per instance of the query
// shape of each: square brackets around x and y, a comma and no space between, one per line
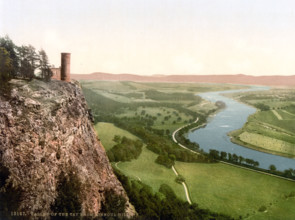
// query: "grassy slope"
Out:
[235,191]
[107,131]
[151,173]
[144,167]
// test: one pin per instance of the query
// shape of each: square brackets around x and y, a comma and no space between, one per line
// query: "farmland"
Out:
[237,191]
[271,129]
[150,112]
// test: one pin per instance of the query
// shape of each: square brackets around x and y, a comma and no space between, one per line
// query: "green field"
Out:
[163,117]
[144,168]
[236,191]
[107,131]
[128,92]
[151,173]
[269,143]
[218,187]
[272,128]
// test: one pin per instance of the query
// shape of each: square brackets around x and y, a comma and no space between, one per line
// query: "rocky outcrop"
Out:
[45,129]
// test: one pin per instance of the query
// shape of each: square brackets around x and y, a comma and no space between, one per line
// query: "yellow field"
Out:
[268,143]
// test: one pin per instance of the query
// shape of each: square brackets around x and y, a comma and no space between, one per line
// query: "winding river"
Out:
[234,116]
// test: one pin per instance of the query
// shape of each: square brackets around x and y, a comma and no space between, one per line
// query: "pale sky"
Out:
[147,37]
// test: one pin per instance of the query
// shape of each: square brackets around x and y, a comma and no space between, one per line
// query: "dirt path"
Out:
[277,114]
[288,112]
[184,186]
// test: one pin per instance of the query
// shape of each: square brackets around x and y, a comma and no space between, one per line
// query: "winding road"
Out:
[179,144]
[235,165]
[173,168]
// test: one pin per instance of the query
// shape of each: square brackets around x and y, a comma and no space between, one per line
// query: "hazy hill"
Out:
[236,79]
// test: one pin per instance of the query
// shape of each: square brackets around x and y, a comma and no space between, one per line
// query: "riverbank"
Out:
[270,128]
[252,167]
[234,137]
[214,136]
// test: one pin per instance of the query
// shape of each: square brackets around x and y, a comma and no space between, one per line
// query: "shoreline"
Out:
[234,140]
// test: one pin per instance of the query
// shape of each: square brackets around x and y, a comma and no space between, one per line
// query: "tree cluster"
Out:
[106,109]
[125,149]
[162,96]
[262,106]
[113,203]
[233,158]
[22,62]
[167,161]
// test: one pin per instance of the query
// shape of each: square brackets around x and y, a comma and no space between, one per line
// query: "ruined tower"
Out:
[65,67]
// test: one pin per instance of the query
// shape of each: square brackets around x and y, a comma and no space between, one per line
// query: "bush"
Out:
[165,160]
[10,196]
[180,179]
[68,194]
[262,209]
[262,107]
[113,203]
[125,149]
[4,174]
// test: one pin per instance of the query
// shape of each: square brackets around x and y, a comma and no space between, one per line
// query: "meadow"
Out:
[144,168]
[107,131]
[219,187]
[238,192]
[271,129]
[222,188]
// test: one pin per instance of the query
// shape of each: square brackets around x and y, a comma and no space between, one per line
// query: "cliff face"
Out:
[45,130]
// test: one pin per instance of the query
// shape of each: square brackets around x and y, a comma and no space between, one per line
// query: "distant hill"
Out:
[235,79]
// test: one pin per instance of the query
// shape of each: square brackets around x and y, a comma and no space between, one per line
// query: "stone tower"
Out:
[65,67]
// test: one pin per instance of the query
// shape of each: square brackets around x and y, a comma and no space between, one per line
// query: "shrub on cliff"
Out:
[113,203]
[5,66]
[8,193]
[68,199]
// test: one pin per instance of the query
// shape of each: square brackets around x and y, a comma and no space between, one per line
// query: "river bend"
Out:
[234,116]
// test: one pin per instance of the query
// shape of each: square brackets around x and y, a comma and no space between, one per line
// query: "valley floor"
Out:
[219,187]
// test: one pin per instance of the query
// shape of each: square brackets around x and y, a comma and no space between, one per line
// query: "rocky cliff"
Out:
[46,137]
